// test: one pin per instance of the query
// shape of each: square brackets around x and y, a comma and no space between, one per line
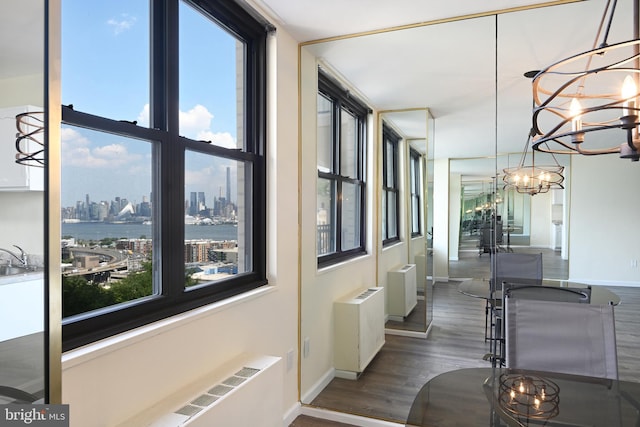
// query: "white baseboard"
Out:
[292,414]
[342,417]
[320,385]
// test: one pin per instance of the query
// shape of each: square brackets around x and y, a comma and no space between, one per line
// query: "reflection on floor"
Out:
[22,364]
[473,264]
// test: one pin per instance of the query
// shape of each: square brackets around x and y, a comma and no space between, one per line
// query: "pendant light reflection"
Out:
[531,178]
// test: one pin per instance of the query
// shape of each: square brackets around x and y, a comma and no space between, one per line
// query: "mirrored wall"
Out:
[415,157]
[477,130]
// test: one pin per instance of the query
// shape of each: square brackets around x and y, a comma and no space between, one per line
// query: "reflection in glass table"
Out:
[504,397]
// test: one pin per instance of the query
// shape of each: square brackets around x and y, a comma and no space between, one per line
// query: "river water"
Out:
[100,230]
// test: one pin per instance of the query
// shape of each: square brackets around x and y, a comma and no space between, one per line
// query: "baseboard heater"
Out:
[358,331]
[257,382]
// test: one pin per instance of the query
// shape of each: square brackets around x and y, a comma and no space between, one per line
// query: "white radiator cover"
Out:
[358,331]
[421,273]
[246,392]
[402,292]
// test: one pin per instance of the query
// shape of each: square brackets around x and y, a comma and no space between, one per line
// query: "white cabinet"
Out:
[14,176]
[21,305]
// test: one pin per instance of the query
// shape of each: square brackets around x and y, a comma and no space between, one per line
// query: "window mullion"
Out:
[169,179]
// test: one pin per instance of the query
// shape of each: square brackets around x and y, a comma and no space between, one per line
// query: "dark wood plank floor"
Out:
[387,388]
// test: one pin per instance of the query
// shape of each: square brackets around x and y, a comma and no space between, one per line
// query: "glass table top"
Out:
[505,397]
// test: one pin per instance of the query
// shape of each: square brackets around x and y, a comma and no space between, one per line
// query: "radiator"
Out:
[402,292]
[248,394]
[358,331]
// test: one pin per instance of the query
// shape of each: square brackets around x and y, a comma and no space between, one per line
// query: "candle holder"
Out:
[528,397]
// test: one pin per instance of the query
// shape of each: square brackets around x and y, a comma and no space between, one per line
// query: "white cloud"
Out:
[77,151]
[221,139]
[123,24]
[194,121]
[195,124]
[143,117]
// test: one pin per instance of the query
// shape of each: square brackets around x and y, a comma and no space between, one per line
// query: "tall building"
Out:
[228,184]
[193,205]
[202,205]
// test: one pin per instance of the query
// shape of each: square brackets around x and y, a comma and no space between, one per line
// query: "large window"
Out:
[390,187]
[163,169]
[415,177]
[341,216]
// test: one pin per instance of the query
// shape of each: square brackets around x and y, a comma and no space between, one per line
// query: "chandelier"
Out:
[533,179]
[586,102]
[29,144]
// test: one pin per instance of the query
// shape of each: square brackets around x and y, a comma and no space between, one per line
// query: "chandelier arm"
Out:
[595,41]
[630,140]
[587,152]
[613,10]
[614,67]
[572,150]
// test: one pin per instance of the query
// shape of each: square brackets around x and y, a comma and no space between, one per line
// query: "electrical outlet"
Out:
[634,263]
[305,347]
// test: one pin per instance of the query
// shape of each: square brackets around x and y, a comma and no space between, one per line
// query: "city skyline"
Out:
[94,209]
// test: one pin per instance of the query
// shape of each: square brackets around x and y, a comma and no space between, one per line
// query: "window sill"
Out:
[330,267]
[91,351]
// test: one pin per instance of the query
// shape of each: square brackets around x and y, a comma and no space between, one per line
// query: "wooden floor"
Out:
[387,387]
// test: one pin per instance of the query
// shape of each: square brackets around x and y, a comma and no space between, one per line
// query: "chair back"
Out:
[561,337]
[546,293]
[518,268]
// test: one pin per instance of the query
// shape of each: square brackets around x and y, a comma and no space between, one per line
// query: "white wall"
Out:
[455,193]
[604,236]
[541,225]
[108,382]
[441,219]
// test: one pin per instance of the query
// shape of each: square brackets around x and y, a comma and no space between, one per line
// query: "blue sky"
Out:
[105,71]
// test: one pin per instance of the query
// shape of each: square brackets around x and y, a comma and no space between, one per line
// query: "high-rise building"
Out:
[193,206]
[228,185]
[202,205]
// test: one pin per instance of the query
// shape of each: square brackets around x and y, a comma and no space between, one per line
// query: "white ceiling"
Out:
[449,67]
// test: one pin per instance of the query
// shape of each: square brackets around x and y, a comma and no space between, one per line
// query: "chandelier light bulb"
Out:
[575,110]
[628,91]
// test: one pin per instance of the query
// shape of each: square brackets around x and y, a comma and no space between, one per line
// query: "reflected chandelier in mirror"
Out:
[29,144]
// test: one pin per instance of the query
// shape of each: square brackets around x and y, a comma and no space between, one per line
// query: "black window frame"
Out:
[415,190]
[341,98]
[169,161]
[389,136]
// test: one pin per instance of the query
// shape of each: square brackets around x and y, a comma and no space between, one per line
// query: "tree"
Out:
[80,296]
[134,286]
